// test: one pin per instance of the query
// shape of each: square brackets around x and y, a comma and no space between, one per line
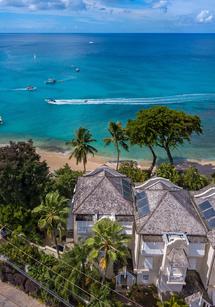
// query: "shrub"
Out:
[167,170]
[131,170]
[193,180]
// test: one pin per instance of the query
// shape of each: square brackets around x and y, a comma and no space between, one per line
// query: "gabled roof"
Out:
[170,209]
[103,191]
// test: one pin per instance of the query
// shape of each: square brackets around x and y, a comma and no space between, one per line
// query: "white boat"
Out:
[31,88]
[50,100]
[91,42]
[77,69]
[50,81]
[1,120]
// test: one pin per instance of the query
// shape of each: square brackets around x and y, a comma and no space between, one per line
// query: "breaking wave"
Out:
[136,101]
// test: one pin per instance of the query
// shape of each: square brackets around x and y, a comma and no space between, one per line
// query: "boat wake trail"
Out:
[137,101]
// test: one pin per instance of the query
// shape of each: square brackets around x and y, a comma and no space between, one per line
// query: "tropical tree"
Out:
[175,301]
[64,181]
[193,180]
[23,177]
[118,138]
[131,170]
[167,170]
[107,244]
[75,273]
[81,146]
[141,132]
[53,212]
[170,128]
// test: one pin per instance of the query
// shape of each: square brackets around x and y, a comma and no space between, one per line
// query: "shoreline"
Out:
[56,160]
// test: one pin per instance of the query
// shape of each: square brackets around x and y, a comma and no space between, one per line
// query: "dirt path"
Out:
[13,297]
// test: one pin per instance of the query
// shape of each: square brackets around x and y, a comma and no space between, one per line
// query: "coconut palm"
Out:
[118,138]
[107,244]
[73,267]
[81,146]
[53,212]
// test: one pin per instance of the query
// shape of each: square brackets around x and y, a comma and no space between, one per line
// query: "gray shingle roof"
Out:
[170,210]
[101,192]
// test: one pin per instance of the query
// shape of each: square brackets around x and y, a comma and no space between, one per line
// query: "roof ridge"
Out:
[89,194]
[154,211]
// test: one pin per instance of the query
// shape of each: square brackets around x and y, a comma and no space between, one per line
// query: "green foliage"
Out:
[193,180]
[64,181]
[81,146]
[163,127]
[53,213]
[131,170]
[23,177]
[118,138]
[107,245]
[175,301]
[167,170]
[213,177]
[141,132]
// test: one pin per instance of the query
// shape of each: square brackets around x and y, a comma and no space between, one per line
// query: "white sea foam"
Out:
[136,101]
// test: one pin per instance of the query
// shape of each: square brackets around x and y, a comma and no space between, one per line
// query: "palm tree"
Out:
[53,212]
[108,244]
[73,267]
[82,147]
[118,138]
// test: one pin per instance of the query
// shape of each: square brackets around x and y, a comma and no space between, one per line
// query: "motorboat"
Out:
[50,100]
[1,120]
[50,81]
[77,69]
[91,42]
[31,88]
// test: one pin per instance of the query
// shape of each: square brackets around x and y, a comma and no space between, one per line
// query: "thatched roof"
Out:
[103,191]
[170,209]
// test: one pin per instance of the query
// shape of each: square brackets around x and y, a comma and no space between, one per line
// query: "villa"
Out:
[172,231]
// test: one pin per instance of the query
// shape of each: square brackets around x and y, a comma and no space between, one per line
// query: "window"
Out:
[145,278]
[84,217]
[148,263]
[192,263]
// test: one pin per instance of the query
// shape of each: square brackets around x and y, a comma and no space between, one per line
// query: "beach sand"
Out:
[56,160]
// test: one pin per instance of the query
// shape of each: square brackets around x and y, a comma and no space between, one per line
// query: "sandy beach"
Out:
[57,160]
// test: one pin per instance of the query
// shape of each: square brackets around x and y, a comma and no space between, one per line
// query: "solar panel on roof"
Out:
[209,213]
[140,195]
[143,211]
[211,223]
[205,205]
[142,202]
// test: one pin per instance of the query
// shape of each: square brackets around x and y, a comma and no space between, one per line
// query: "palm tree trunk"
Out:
[118,154]
[84,167]
[169,155]
[153,161]
[56,243]
[106,269]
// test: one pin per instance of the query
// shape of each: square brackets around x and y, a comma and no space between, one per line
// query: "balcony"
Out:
[152,248]
[176,275]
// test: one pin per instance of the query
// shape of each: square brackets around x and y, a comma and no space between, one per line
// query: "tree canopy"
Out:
[23,177]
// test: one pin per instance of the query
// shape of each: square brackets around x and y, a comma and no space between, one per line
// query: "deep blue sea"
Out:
[121,73]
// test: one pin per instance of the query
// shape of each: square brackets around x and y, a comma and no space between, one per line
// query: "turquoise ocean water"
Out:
[122,73]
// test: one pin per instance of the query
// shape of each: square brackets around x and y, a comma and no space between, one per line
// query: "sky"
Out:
[83,16]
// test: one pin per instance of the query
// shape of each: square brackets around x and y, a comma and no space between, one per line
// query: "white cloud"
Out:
[34,5]
[161,4]
[204,16]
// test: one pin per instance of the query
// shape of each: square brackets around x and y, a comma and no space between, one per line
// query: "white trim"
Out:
[159,179]
[199,195]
